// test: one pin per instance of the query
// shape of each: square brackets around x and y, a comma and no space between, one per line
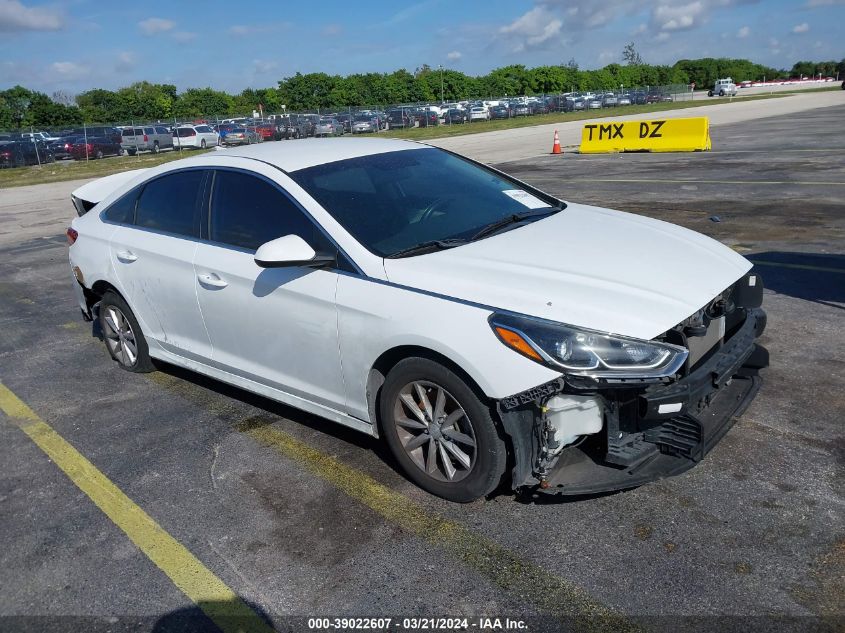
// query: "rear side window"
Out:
[247,212]
[149,130]
[162,130]
[122,210]
[171,203]
[139,131]
[182,132]
[128,133]
[203,128]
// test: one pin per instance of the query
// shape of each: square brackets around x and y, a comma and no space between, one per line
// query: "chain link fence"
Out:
[133,137]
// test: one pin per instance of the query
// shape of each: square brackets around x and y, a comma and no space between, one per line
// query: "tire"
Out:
[480,443]
[99,154]
[721,93]
[132,152]
[709,93]
[202,143]
[119,326]
[156,148]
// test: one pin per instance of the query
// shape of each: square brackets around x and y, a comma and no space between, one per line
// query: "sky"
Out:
[75,45]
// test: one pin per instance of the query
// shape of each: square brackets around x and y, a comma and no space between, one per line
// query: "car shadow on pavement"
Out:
[227,616]
[817,277]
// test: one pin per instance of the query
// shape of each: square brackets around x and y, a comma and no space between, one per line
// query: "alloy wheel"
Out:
[119,337]
[434,431]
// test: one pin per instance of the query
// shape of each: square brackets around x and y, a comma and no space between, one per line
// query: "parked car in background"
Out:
[94,147]
[422,299]
[196,136]
[62,147]
[625,99]
[329,127]
[478,113]
[266,130]
[455,116]
[426,118]
[346,119]
[311,121]
[609,100]
[241,135]
[595,103]
[21,152]
[224,128]
[500,112]
[400,118]
[293,127]
[39,136]
[365,123]
[521,109]
[146,139]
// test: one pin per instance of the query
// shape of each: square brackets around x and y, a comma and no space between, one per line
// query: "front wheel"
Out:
[440,432]
[122,334]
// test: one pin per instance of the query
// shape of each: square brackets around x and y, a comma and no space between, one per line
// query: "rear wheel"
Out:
[202,143]
[124,339]
[440,432]
[156,148]
[99,154]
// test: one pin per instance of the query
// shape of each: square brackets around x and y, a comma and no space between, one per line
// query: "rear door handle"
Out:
[127,257]
[212,280]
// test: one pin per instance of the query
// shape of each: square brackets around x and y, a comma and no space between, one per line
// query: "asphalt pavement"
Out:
[301,518]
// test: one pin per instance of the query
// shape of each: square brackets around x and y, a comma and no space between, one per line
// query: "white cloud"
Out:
[532,29]
[801,28]
[184,36]
[262,66]
[69,70]
[154,26]
[815,4]
[743,32]
[661,37]
[125,61]
[332,30]
[678,17]
[15,17]
[453,55]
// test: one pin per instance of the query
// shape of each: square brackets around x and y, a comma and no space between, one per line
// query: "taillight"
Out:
[72,234]
[145,138]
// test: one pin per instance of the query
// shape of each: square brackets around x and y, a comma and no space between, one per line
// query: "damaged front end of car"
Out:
[625,412]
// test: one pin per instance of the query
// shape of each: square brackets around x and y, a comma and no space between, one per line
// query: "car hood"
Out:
[585,266]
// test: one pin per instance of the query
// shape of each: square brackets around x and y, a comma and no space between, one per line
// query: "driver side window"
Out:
[247,211]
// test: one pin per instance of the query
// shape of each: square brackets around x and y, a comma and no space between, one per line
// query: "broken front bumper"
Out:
[650,432]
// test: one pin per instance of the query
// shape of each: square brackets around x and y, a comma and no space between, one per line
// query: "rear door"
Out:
[153,260]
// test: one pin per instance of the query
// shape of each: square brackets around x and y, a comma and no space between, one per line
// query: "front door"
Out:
[276,326]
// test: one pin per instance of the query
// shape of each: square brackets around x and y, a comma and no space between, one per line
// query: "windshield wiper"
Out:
[514,218]
[427,247]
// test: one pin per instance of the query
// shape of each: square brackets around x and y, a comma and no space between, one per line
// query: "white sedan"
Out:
[479,113]
[490,333]
[196,136]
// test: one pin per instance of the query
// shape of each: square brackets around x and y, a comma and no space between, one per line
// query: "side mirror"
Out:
[289,250]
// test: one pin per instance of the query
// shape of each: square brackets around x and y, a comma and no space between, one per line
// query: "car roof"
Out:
[294,155]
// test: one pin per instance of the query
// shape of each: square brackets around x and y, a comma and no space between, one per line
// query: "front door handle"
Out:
[127,257]
[212,280]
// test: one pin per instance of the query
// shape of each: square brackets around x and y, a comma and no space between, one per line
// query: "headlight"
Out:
[585,352]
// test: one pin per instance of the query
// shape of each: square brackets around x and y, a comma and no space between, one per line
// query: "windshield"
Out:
[393,201]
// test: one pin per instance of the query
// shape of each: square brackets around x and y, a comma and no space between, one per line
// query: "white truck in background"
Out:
[723,87]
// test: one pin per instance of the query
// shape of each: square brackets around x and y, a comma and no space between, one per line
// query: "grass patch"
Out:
[442,131]
[79,169]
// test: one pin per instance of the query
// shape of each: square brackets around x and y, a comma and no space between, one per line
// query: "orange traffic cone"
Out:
[556,147]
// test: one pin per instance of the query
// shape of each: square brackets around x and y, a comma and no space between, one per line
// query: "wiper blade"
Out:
[514,218]
[427,247]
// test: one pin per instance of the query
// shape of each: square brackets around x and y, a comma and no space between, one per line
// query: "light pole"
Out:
[440,66]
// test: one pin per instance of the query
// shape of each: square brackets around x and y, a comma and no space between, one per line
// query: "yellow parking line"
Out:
[552,594]
[194,579]
[823,269]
